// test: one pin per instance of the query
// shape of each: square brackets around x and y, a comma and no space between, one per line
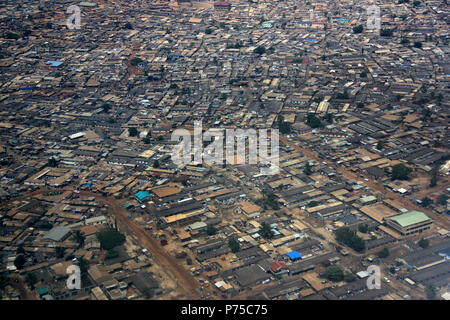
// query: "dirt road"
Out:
[189,283]
[185,279]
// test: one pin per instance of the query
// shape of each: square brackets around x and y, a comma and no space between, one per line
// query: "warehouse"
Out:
[410,223]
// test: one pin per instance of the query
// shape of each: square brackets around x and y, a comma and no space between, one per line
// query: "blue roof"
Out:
[142,195]
[294,255]
[54,63]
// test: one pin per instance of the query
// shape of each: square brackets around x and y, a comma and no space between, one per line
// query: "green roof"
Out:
[368,199]
[87,4]
[142,195]
[42,291]
[410,218]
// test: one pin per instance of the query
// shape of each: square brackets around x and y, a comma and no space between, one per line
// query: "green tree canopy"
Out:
[358,29]
[132,132]
[79,238]
[59,251]
[383,253]
[430,292]
[31,280]
[110,238]
[363,228]
[426,202]
[210,230]
[19,261]
[313,121]
[234,245]
[266,231]
[400,172]
[349,277]
[348,237]
[307,170]
[260,50]
[334,273]
[424,243]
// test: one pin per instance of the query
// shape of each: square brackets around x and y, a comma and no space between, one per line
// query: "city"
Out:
[91,98]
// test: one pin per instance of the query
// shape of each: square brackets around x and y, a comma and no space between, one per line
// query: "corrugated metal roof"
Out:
[410,218]
[57,233]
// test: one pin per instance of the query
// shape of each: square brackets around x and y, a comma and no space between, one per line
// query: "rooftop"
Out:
[410,218]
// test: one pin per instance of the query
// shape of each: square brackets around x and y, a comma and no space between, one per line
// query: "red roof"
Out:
[277,265]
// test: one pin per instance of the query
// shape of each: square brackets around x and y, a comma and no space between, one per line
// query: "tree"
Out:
[4,281]
[83,264]
[11,35]
[313,203]
[19,261]
[358,29]
[52,162]
[363,228]
[260,50]
[342,95]
[285,127]
[417,44]
[110,238]
[111,254]
[234,245]
[128,26]
[430,292]
[386,32]
[132,132]
[148,293]
[210,230]
[79,238]
[400,172]
[266,231]
[307,170]
[106,107]
[349,277]
[45,225]
[348,237]
[156,163]
[59,252]
[313,121]
[442,199]
[383,253]
[424,243]
[189,261]
[135,61]
[434,176]
[271,201]
[31,280]
[426,202]
[20,249]
[334,273]
[380,144]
